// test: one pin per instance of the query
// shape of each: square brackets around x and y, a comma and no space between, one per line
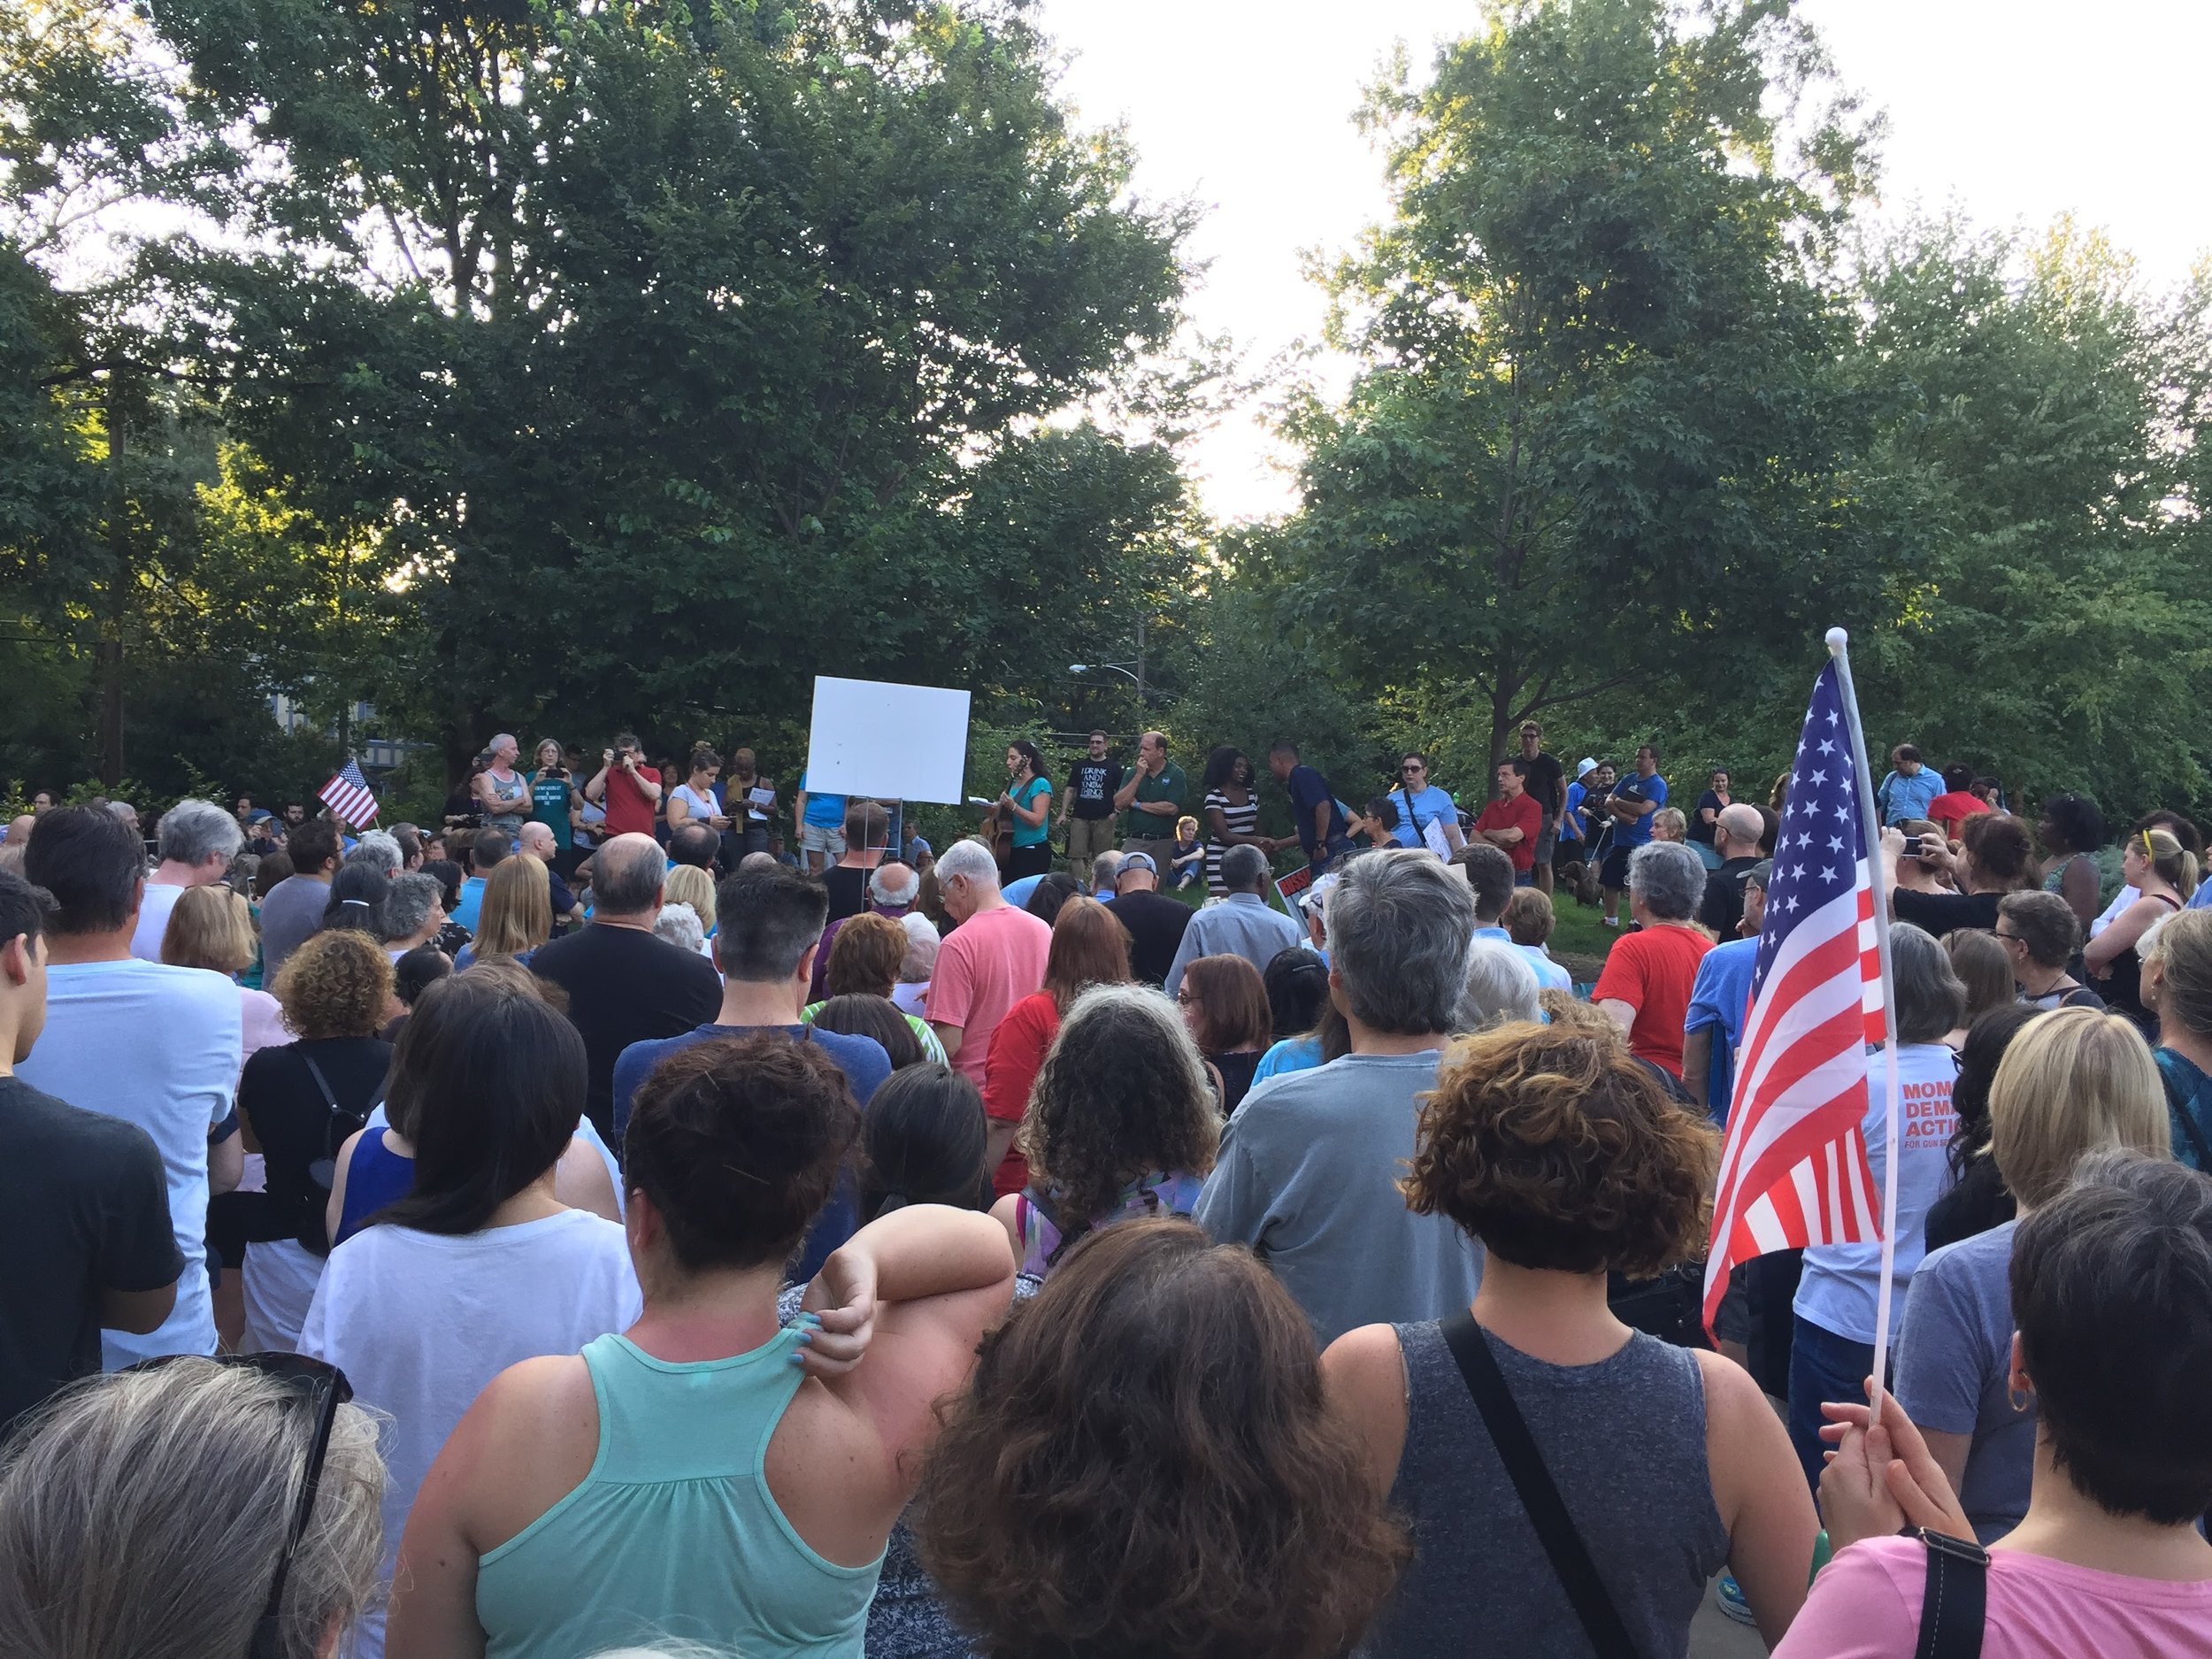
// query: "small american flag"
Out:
[1795,1170]
[347,796]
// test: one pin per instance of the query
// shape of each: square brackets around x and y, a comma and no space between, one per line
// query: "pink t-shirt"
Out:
[1866,1605]
[986,965]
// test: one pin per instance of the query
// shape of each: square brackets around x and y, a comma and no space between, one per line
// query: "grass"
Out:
[1580,938]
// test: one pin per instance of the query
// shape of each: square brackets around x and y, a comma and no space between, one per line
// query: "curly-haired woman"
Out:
[1563,1156]
[1122,1124]
[1160,1392]
[299,1104]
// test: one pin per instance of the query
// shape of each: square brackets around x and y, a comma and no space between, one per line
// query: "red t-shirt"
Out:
[1951,809]
[1018,1047]
[629,809]
[1521,813]
[1654,971]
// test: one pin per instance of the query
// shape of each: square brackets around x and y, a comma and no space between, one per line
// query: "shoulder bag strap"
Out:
[1953,1606]
[1539,1497]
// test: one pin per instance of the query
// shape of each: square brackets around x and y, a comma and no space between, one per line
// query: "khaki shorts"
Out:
[1087,837]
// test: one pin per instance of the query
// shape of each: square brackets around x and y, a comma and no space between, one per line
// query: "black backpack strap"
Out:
[1538,1494]
[1956,1600]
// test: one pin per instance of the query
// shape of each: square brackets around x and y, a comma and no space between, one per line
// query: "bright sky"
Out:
[2015,110]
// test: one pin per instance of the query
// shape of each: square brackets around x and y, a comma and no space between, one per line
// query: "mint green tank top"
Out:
[674,1534]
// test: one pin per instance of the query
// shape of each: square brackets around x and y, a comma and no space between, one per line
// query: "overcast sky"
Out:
[2014,112]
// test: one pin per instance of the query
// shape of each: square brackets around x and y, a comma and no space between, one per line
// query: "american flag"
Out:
[1796,1171]
[347,796]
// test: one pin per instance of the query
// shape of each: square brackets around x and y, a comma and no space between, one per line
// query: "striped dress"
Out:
[1242,820]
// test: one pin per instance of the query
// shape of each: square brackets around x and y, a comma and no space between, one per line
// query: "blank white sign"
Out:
[894,742]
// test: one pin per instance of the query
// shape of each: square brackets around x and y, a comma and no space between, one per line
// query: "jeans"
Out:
[1823,1366]
[1325,860]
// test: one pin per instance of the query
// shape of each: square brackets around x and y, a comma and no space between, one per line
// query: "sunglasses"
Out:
[322,1389]
[1412,766]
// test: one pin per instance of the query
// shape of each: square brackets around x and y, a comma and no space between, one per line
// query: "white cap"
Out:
[1584,768]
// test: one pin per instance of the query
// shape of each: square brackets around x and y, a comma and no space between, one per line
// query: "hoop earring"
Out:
[2018,1399]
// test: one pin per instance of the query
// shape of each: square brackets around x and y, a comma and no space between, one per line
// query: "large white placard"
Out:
[894,742]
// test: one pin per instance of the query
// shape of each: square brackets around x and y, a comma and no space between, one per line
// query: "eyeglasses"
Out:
[2010,938]
[1184,999]
[322,1388]
[1412,766]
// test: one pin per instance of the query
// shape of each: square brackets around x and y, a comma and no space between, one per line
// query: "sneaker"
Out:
[1729,1595]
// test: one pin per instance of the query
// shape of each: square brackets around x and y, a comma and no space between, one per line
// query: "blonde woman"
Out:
[687,884]
[516,915]
[2164,873]
[213,928]
[2071,1082]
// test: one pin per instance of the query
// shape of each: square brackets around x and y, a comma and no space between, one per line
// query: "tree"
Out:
[677,355]
[1600,429]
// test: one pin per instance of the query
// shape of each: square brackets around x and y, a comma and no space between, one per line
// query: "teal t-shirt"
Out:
[548,806]
[1037,834]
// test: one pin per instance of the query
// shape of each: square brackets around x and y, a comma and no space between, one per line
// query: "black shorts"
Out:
[1614,871]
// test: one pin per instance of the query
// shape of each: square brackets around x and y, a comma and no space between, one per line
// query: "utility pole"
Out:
[111,645]
[1141,701]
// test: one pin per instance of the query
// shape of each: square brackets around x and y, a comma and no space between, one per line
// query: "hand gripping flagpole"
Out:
[1877,876]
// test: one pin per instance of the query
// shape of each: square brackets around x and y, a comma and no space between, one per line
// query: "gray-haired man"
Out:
[1310,1164]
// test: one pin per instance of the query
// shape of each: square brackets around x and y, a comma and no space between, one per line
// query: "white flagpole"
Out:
[1839,648]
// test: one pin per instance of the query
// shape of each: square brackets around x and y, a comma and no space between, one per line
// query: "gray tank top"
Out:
[1625,1442]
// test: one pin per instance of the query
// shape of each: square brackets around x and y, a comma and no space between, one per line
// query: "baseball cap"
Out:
[1138,861]
[1584,768]
[1761,873]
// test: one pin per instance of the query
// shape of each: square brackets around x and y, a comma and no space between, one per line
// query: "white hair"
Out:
[969,858]
[679,924]
[192,831]
[904,894]
[380,850]
[922,940]
[1501,986]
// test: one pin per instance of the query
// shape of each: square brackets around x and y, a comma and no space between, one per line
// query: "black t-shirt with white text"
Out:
[84,1208]
[1091,787]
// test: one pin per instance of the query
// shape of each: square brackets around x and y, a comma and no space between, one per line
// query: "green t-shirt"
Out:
[1170,785]
[549,805]
[1032,834]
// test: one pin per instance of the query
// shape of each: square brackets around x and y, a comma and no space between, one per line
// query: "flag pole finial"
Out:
[1837,640]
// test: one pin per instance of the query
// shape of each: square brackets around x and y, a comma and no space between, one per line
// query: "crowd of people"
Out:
[587,1225]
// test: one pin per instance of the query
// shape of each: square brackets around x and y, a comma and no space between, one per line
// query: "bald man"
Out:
[1736,833]
[625,986]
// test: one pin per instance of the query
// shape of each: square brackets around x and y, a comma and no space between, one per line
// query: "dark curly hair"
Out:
[337,984]
[1123,1093]
[738,1143]
[1160,1392]
[1559,1150]
[2079,824]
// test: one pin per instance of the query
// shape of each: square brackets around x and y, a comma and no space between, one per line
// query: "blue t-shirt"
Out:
[1900,797]
[1307,790]
[866,1066]
[1571,824]
[824,811]
[1430,805]
[1719,998]
[1953,1365]
[2188,1091]
[1016,893]
[471,904]
[1635,832]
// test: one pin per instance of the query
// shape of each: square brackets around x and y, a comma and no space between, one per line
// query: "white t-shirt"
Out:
[2120,900]
[912,999]
[153,920]
[420,1323]
[160,1047]
[1842,1280]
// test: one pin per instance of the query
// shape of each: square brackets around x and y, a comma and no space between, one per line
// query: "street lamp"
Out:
[1084,668]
